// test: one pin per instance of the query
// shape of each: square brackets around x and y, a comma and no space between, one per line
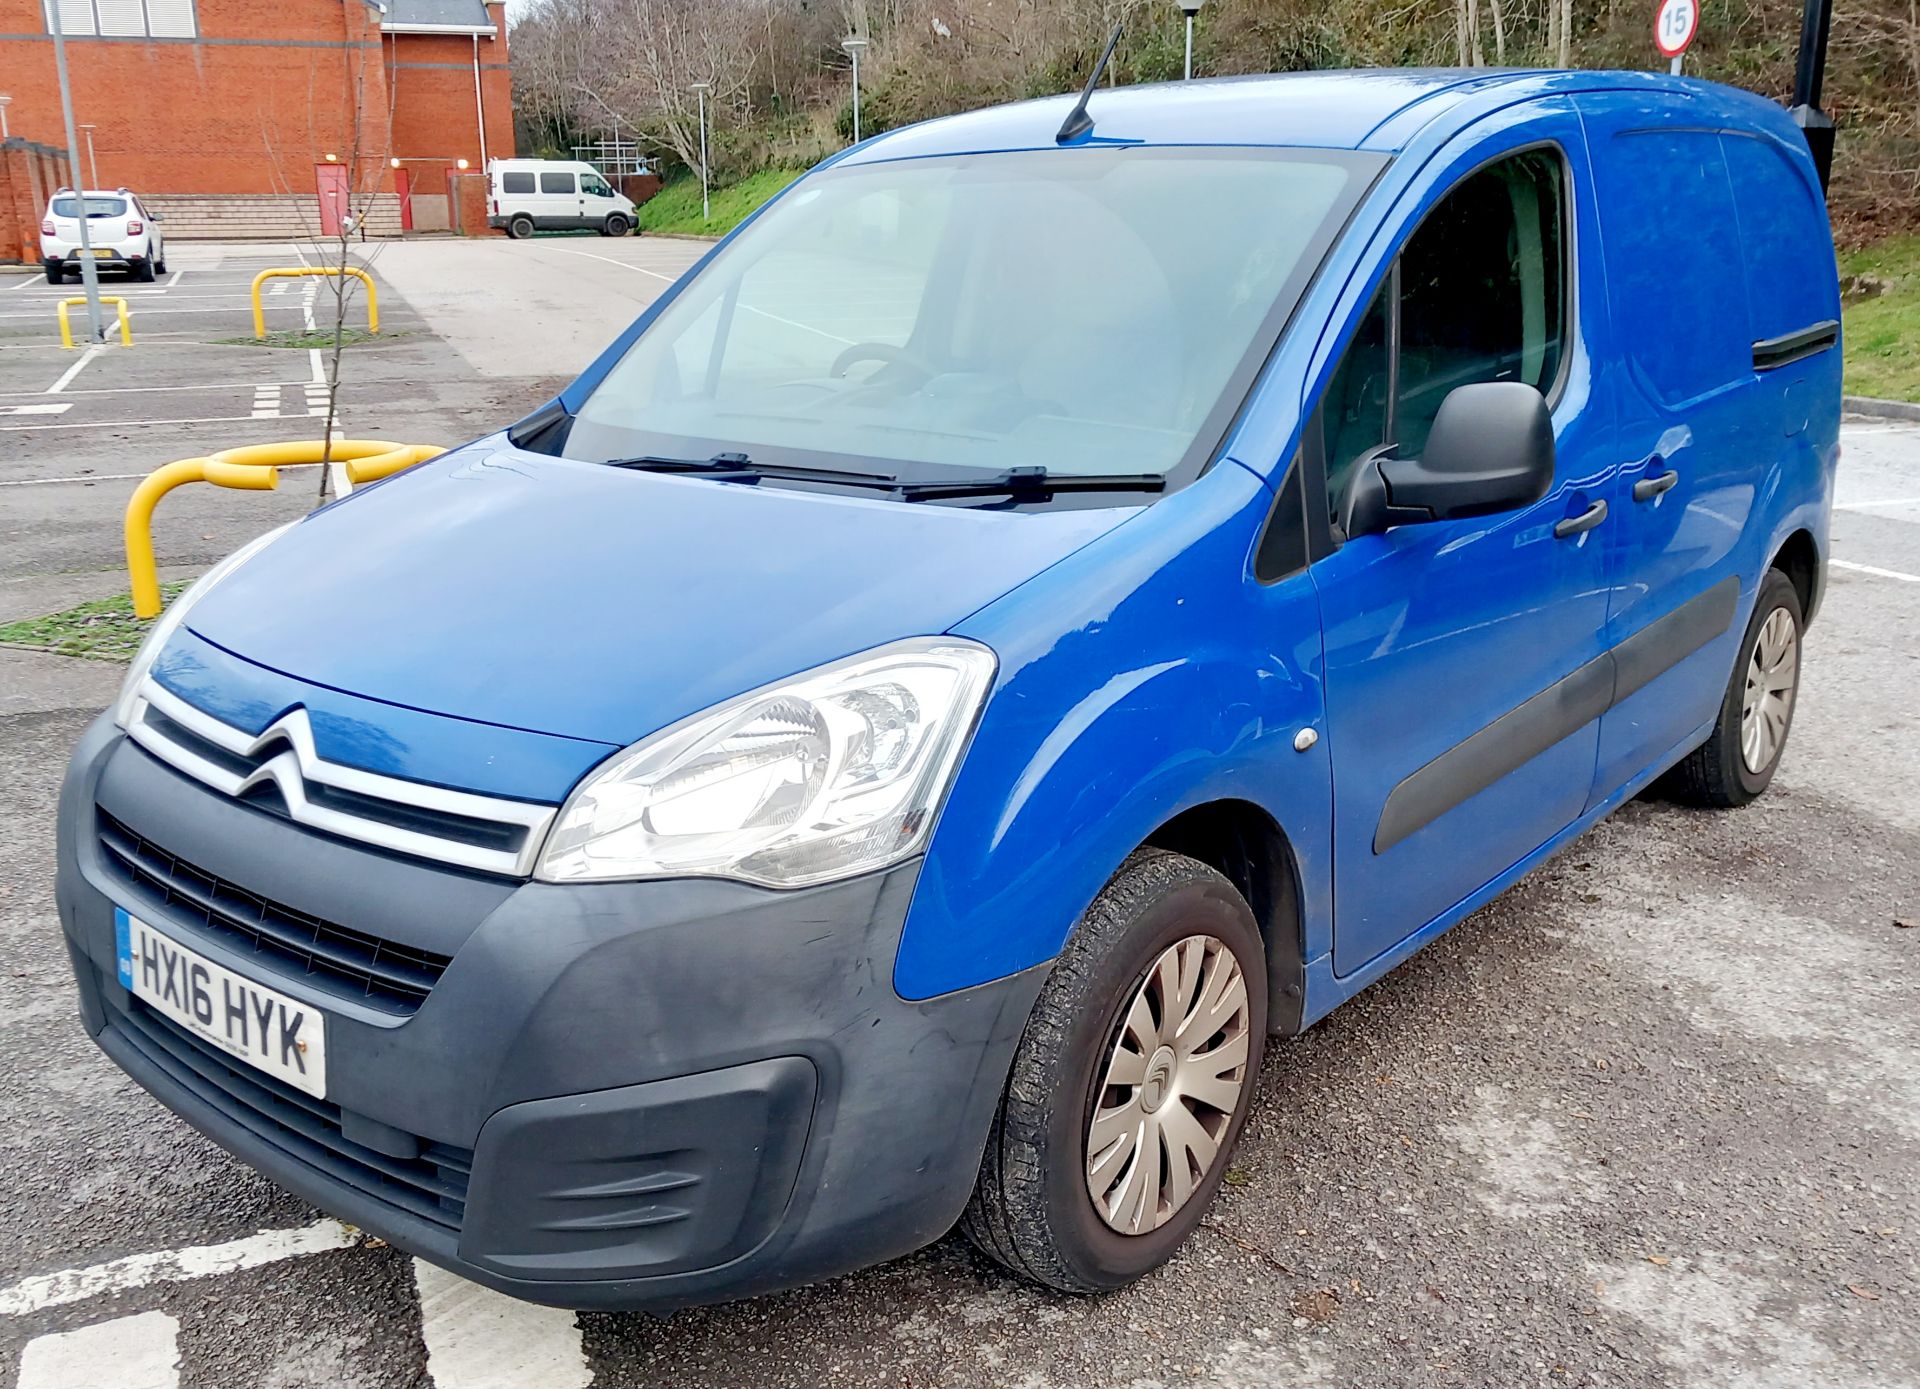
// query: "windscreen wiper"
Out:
[1025,483]
[738,466]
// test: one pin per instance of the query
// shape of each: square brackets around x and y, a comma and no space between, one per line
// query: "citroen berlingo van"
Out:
[1060,598]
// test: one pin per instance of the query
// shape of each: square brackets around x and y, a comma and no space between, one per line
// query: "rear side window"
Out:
[96,207]
[1785,239]
[1477,294]
[1675,279]
[556,183]
[516,183]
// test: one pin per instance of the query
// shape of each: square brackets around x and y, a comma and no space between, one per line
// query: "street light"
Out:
[1192,8]
[700,89]
[854,48]
[93,165]
[89,272]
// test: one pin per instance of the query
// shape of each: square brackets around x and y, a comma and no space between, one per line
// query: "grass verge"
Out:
[319,337]
[1883,332]
[105,630]
[676,207]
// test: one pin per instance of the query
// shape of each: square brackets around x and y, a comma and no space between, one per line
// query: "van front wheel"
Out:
[1130,1084]
[1739,758]
[615,225]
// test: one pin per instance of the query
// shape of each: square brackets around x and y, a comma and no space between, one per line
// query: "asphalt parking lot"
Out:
[1651,1118]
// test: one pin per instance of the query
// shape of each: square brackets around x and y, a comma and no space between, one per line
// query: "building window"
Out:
[137,19]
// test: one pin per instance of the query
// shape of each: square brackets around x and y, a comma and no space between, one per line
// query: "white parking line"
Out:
[624,265]
[480,1339]
[51,407]
[1872,506]
[173,1266]
[141,1352]
[136,424]
[57,481]
[1876,572]
[176,278]
[66,377]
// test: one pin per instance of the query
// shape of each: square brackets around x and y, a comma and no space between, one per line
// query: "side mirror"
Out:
[1490,449]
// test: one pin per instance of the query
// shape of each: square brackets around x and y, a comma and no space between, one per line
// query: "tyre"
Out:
[1130,1084]
[159,265]
[1738,760]
[615,225]
[520,227]
[56,275]
[143,269]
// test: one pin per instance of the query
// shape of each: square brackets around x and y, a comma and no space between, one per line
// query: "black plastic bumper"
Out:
[616,1095]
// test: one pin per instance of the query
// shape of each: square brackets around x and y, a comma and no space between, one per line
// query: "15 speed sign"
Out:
[1674,25]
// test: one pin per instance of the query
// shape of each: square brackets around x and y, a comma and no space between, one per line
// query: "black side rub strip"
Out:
[1563,708]
[1772,353]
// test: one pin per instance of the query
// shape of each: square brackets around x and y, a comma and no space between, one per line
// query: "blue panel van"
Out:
[1033,615]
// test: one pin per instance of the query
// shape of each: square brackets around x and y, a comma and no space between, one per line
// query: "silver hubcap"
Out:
[1767,704]
[1172,1083]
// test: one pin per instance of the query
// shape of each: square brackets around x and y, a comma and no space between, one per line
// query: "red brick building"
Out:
[239,118]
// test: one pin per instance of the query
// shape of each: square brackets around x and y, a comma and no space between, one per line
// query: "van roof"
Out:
[1379,109]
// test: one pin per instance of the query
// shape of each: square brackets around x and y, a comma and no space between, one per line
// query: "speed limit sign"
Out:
[1674,25]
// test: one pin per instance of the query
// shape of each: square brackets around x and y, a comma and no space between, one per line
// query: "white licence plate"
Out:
[279,1035]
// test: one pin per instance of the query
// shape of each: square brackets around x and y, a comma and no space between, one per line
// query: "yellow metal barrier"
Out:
[254,468]
[66,328]
[294,272]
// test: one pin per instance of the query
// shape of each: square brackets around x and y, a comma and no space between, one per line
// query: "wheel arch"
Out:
[1246,845]
[1798,557]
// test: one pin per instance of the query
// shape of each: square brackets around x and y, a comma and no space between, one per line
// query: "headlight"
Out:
[822,776]
[165,625]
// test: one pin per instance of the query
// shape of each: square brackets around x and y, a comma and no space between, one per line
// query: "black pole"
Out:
[1809,77]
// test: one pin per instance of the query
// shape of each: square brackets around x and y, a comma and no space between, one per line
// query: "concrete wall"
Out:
[237,217]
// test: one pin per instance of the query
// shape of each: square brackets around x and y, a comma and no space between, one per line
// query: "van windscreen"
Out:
[1086,310]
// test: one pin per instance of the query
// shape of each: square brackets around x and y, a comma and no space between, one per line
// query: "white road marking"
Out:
[1871,506]
[266,402]
[1876,572]
[136,424]
[140,1352]
[173,1266]
[146,390]
[624,265]
[26,280]
[319,377]
[480,1339]
[176,278]
[66,377]
[51,407]
[56,481]
[309,290]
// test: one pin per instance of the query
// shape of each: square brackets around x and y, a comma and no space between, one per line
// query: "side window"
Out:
[556,183]
[1478,294]
[516,183]
[1785,239]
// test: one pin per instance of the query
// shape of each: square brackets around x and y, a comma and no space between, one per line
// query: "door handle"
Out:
[1585,521]
[1648,488]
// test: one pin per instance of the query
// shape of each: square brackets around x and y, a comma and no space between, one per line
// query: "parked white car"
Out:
[529,195]
[123,234]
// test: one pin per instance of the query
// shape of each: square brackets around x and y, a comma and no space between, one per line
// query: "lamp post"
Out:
[89,272]
[700,89]
[1192,8]
[93,165]
[854,48]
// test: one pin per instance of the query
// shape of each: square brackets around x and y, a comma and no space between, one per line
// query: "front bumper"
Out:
[614,1095]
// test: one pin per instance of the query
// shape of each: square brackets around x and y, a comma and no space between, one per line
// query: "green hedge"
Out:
[676,207]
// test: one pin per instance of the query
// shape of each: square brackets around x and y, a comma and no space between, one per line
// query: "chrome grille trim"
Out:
[297,764]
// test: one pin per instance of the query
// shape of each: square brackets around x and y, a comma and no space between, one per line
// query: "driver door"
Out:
[1465,666]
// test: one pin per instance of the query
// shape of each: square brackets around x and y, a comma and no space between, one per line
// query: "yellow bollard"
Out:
[253,468]
[66,329]
[294,272]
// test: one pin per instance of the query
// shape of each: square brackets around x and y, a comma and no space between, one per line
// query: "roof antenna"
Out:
[1078,122]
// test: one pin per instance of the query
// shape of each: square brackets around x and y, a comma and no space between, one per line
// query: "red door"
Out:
[403,189]
[331,179]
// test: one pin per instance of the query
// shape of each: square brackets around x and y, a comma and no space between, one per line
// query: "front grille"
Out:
[431,1184]
[332,958]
